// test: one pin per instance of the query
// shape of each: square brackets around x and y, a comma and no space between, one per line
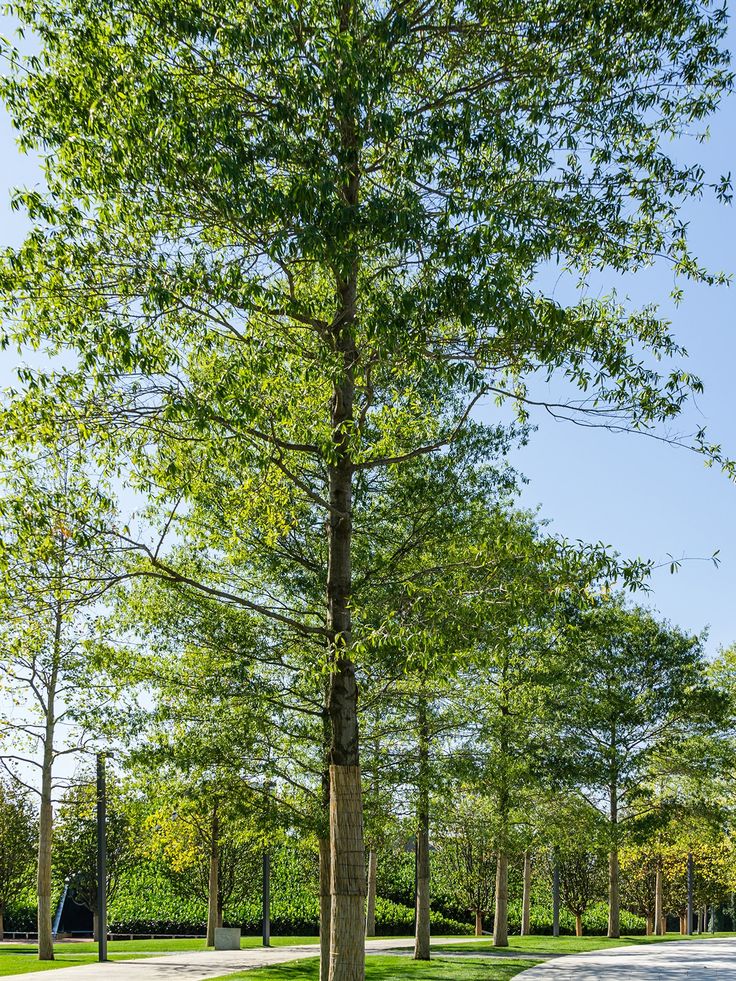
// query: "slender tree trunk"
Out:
[422,925]
[347,855]
[659,926]
[325,899]
[43,884]
[2,924]
[614,900]
[526,899]
[478,923]
[325,902]
[501,917]
[614,928]
[347,875]
[46,813]
[650,924]
[370,906]
[213,885]
[95,925]
[578,924]
[683,924]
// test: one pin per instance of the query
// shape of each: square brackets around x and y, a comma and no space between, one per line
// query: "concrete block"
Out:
[227,938]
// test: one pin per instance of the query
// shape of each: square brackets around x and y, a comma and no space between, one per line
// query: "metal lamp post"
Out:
[101,859]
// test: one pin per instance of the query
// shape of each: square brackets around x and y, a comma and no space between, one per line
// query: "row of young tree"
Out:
[176,850]
[278,285]
[522,711]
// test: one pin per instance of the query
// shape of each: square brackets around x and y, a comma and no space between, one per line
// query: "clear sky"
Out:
[636,495]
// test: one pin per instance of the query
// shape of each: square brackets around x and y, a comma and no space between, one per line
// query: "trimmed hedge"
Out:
[595,920]
[391,919]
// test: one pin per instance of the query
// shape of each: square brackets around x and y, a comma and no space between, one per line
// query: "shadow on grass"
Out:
[387,968]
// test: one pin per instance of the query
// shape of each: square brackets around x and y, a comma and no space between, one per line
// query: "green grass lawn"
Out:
[21,958]
[387,968]
[566,945]
[166,946]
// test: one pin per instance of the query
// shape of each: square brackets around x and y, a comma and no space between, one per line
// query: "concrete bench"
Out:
[227,938]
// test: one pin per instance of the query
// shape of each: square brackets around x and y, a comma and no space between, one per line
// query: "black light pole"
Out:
[690,894]
[101,859]
[266,898]
[266,893]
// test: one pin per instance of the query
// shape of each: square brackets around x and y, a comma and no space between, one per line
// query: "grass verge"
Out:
[380,967]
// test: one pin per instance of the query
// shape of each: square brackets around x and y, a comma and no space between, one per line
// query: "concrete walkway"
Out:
[196,965]
[704,960]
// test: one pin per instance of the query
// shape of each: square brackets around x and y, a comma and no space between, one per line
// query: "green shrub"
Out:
[595,920]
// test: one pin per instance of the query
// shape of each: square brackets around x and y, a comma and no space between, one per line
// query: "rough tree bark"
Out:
[660,926]
[422,925]
[46,813]
[526,899]
[325,899]
[347,855]
[370,906]
[213,885]
[478,923]
[614,898]
[501,917]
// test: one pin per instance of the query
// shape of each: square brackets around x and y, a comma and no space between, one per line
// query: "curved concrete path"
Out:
[705,960]
[197,965]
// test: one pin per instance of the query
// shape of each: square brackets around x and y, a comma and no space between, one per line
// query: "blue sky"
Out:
[636,495]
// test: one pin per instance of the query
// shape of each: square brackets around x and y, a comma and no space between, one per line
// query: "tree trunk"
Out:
[46,813]
[650,924]
[347,854]
[526,900]
[614,927]
[683,924]
[213,885]
[422,925]
[347,875]
[2,925]
[325,902]
[370,906]
[660,927]
[578,924]
[478,923]
[501,917]
[95,926]
[614,897]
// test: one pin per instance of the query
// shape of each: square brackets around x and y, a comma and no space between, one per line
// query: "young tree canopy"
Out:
[316,231]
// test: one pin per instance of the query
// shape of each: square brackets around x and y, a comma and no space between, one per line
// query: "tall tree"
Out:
[334,258]
[51,572]
[76,842]
[640,692]
[17,844]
